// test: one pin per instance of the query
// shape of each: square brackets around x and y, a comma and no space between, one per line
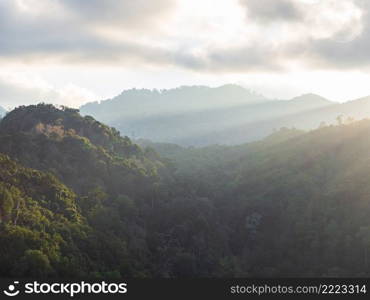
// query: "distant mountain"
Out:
[136,104]
[357,109]
[334,113]
[2,112]
[196,115]
[311,100]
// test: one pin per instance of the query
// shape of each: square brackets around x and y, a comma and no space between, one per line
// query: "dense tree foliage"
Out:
[82,152]
[294,204]
[41,227]
[77,199]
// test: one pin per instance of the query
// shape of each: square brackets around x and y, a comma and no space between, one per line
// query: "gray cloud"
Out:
[234,59]
[338,53]
[73,35]
[69,34]
[343,49]
[273,10]
[137,13]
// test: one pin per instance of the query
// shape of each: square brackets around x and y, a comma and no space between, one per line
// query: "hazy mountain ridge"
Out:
[136,103]
[197,115]
[357,109]
[2,112]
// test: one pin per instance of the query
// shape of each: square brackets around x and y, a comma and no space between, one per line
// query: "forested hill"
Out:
[79,200]
[80,151]
[78,215]
[295,203]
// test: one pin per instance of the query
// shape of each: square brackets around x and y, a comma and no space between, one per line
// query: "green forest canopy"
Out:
[79,200]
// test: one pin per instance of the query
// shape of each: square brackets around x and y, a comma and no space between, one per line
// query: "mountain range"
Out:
[2,111]
[230,114]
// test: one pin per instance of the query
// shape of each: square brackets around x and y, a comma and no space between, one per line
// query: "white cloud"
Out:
[205,36]
[23,88]
[202,40]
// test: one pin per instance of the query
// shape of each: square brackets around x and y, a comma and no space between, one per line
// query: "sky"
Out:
[74,51]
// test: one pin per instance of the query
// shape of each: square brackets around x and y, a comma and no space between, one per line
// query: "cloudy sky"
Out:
[74,51]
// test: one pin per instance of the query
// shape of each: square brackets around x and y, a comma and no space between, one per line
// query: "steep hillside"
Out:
[124,198]
[298,205]
[93,226]
[313,191]
[41,227]
[82,152]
